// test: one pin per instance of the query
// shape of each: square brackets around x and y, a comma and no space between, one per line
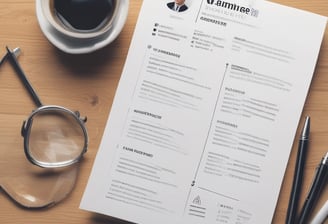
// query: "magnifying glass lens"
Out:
[55,138]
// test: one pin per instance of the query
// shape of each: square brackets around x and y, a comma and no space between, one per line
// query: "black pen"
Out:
[315,190]
[298,173]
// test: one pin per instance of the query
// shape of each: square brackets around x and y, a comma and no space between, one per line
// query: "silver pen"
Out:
[315,190]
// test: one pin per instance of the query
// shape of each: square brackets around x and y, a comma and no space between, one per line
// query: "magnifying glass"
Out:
[55,139]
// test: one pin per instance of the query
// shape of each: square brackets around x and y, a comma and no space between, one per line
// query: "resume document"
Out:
[205,113]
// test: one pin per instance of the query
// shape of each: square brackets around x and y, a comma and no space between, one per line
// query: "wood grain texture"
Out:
[88,83]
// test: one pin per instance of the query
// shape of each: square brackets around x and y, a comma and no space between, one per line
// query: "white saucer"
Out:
[82,46]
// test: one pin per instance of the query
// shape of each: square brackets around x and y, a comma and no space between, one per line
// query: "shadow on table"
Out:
[99,219]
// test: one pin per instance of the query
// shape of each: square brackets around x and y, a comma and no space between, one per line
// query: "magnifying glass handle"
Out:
[13,60]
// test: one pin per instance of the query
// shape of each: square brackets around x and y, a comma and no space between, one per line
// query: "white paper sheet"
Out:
[205,113]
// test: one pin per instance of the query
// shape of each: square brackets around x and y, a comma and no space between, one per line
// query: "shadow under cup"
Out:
[81,19]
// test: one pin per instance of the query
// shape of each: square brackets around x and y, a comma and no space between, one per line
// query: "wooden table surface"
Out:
[88,83]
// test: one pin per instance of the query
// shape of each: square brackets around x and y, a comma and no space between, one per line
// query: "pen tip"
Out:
[325,158]
[306,128]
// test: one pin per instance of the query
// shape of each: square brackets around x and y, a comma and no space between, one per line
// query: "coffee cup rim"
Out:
[75,33]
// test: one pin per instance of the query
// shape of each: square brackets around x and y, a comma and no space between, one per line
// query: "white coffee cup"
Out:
[73,36]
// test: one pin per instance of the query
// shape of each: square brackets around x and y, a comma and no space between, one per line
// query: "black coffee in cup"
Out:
[84,15]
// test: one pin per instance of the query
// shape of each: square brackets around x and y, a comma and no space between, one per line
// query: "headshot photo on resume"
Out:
[177,5]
